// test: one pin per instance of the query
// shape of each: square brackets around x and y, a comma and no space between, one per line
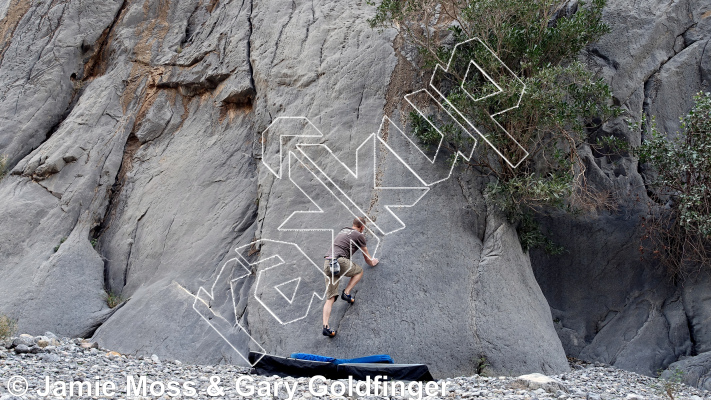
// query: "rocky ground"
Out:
[66,360]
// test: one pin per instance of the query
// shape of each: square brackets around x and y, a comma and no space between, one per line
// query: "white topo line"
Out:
[203,298]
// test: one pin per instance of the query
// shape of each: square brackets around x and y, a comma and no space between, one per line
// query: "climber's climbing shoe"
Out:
[347,297]
[328,331]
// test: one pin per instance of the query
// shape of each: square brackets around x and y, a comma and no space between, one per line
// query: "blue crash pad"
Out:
[378,358]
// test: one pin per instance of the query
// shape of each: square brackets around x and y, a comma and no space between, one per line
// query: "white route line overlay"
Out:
[439,145]
[282,262]
[451,58]
[202,300]
[203,295]
[293,295]
[319,211]
[424,188]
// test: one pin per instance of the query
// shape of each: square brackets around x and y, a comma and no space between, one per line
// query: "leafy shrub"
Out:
[539,40]
[482,366]
[3,166]
[670,386]
[8,327]
[113,299]
[681,179]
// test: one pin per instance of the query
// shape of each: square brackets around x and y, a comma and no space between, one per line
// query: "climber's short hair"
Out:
[358,222]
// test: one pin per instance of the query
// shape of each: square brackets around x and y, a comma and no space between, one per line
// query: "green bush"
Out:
[3,166]
[669,387]
[482,366]
[563,100]
[8,327]
[681,179]
[113,299]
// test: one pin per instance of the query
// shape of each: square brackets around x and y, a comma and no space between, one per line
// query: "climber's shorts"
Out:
[348,268]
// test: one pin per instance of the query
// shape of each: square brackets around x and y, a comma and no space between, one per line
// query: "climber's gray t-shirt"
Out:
[346,243]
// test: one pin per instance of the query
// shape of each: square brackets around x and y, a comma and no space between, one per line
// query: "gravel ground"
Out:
[75,363]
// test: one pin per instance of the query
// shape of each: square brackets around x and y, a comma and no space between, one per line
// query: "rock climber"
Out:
[338,263]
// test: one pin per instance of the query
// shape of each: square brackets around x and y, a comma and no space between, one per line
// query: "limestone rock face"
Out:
[48,50]
[155,155]
[693,371]
[146,173]
[611,303]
